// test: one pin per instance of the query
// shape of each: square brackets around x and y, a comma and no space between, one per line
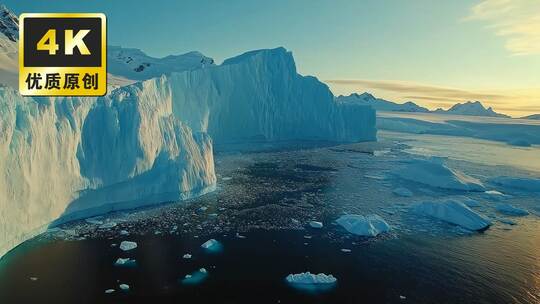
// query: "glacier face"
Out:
[66,158]
[259,95]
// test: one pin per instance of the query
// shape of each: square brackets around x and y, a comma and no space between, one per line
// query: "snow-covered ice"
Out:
[511,210]
[433,172]
[128,245]
[369,225]
[454,212]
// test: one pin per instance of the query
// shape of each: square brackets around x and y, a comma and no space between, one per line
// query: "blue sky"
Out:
[433,52]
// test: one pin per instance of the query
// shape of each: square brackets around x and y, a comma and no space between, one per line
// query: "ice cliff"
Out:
[259,95]
[75,157]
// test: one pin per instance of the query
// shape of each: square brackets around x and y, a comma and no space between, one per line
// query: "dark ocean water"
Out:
[269,198]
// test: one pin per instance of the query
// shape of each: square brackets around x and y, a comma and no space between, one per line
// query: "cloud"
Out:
[516,20]
[420,91]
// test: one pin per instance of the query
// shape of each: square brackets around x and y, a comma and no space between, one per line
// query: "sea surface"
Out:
[260,214]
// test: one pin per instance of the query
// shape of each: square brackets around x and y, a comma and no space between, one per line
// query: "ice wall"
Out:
[74,157]
[259,95]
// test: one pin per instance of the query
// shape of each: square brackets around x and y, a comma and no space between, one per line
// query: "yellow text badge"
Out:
[63,54]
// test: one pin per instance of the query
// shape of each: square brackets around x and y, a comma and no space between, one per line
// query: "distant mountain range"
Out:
[534,116]
[473,108]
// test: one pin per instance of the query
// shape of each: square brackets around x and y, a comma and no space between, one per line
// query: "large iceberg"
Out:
[435,173]
[260,96]
[68,158]
[454,212]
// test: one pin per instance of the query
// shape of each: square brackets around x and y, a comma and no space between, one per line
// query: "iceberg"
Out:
[196,277]
[511,210]
[260,96]
[69,158]
[311,282]
[433,172]
[127,262]
[369,225]
[454,212]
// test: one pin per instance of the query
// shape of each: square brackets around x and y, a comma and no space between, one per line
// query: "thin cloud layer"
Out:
[517,102]
[516,20]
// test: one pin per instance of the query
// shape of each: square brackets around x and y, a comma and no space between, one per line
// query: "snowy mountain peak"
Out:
[380,104]
[9,24]
[475,108]
[134,64]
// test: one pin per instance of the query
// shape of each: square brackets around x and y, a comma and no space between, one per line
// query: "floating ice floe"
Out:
[196,277]
[127,245]
[127,262]
[454,212]
[369,225]
[124,232]
[108,225]
[108,291]
[311,282]
[401,191]
[186,256]
[315,224]
[433,172]
[511,210]
[124,287]
[520,183]
[212,245]
[346,250]
[33,279]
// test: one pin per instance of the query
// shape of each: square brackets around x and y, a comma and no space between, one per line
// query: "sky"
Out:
[435,53]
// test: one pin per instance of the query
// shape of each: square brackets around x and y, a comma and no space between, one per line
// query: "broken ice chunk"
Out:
[124,287]
[127,262]
[186,256]
[315,224]
[212,245]
[369,225]
[127,245]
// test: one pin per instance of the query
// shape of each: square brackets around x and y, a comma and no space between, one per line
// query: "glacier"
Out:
[68,158]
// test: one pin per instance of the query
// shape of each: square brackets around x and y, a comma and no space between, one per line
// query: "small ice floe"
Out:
[511,210]
[195,277]
[401,191]
[401,297]
[213,215]
[311,282]
[203,208]
[157,232]
[346,250]
[433,172]
[520,183]
[94,221]
[226,178]
[109,291]
[315,224]
[124,232]
[295,221]
[33,279]
[127,262]
[127,245]
[239,236]
[186,256]
[212,245]
[124,287]
[454,212]
[307,237]
[108,225]
[369,225]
